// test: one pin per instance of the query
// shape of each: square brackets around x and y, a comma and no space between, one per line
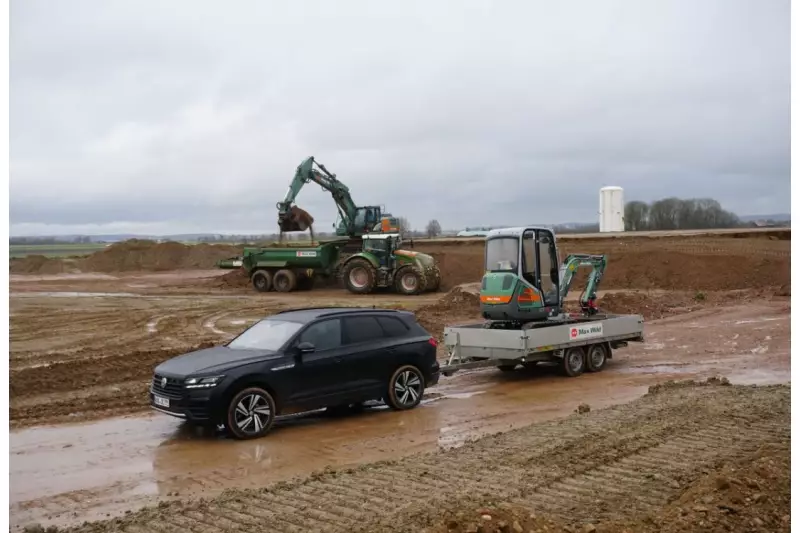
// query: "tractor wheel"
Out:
[359,276]
[434,279]
[261,280]
[284,281]
[409,281]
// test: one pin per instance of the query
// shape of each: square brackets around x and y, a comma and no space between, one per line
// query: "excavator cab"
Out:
[521,280]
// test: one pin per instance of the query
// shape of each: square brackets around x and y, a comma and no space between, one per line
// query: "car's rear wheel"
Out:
[406,387]
[251,413]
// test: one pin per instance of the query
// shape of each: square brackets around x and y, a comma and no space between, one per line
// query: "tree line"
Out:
[678,214]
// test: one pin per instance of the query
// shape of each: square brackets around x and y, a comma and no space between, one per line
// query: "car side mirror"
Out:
[305,347]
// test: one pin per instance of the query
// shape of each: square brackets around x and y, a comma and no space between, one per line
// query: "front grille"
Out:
[173,387]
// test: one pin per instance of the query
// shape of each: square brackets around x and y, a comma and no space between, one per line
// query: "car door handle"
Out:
[391,351]
[337,359]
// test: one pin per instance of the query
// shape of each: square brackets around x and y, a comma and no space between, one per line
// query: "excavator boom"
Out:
[293,218]
[567,273]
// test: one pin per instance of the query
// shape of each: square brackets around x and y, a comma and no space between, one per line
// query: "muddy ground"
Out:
[682,458]
[83,346]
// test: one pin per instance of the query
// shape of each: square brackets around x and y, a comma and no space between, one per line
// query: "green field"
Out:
[54,250]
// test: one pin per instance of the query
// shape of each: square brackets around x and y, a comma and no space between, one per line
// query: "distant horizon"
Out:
[780,217]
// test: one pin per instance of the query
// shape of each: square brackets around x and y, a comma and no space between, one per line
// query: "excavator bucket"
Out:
[296,219]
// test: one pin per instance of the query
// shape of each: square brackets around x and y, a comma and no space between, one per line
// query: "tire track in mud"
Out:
[619,462]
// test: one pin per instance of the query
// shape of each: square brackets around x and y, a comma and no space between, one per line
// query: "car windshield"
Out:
[268,334]
[502,254]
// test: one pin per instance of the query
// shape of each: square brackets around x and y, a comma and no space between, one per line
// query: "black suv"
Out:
[300,360]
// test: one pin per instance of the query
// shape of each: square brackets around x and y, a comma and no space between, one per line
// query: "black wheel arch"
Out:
[245,382]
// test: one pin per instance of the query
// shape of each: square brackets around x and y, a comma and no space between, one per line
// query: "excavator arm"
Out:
[568,269]
[291,217]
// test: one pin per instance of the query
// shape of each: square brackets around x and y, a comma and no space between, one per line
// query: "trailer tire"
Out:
[409,281]
[359,276]
[261,280]
[284,280]
[596,356]
[574,362]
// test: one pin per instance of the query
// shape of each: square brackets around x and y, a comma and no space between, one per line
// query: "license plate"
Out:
[161,402]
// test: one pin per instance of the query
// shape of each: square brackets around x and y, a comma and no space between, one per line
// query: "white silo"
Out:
[612,209]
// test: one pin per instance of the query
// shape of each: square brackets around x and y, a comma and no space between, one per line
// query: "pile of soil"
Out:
[660,305]
[460,304]
[235,279]
[135,254]
[40,264]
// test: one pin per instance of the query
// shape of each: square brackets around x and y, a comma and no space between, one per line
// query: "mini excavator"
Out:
[523,282]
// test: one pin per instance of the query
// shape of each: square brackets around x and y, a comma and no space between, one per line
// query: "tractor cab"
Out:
[521,279]
[381,245]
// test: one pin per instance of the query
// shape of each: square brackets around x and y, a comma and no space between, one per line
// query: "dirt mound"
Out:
[662,304]
[235,279]
[461,303]
[137,254]
[39,264]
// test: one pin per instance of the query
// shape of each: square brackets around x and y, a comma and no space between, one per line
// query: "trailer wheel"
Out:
[359,276]
[574,362]
[596,356]
[284,280]
[409,281]
[262,280]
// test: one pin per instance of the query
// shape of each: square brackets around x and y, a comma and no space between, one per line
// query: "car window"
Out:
[361,329]
[323,335]
[267,334]
[392,326]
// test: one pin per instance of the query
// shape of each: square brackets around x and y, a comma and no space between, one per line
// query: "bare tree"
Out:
[405,227]
[675,213]
[636,216]
[433,228]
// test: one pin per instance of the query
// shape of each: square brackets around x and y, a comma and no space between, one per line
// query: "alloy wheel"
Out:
[407,387]
[253,414]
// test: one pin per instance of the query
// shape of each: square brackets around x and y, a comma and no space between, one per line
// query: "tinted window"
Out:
[267,334]
[362,329]
[323,335]
[392,326]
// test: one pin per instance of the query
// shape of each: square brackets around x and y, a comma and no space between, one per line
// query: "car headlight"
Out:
[202,383]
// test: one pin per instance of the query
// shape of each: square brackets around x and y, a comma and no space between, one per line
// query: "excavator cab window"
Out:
[528,270]
[548,267]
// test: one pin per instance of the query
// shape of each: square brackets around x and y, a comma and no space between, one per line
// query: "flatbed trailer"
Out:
[577,343]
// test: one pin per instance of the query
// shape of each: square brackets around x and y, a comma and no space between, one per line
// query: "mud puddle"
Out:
[71,473]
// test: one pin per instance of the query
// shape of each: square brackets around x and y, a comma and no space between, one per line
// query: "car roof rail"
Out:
[346,308]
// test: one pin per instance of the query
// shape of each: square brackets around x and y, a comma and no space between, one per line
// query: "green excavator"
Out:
[353,221]
[524,284]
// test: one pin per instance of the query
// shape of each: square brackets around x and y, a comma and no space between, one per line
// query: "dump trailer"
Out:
[378,263]
[522,298]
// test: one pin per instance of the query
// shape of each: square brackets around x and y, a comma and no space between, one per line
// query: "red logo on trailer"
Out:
[573,332]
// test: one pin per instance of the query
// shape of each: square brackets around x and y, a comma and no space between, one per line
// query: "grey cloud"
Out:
[195,114]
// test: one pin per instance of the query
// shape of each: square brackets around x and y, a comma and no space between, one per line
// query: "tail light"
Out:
[433,342]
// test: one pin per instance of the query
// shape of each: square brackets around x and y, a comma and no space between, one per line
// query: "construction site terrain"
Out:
[486,451]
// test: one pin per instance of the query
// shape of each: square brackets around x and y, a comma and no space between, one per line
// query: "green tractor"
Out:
[378,263]
[382,263]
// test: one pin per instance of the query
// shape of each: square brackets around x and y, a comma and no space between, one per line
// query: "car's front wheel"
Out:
[406,387]
[251,413]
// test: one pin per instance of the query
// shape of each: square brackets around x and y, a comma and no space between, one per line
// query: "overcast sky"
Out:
[191,116]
